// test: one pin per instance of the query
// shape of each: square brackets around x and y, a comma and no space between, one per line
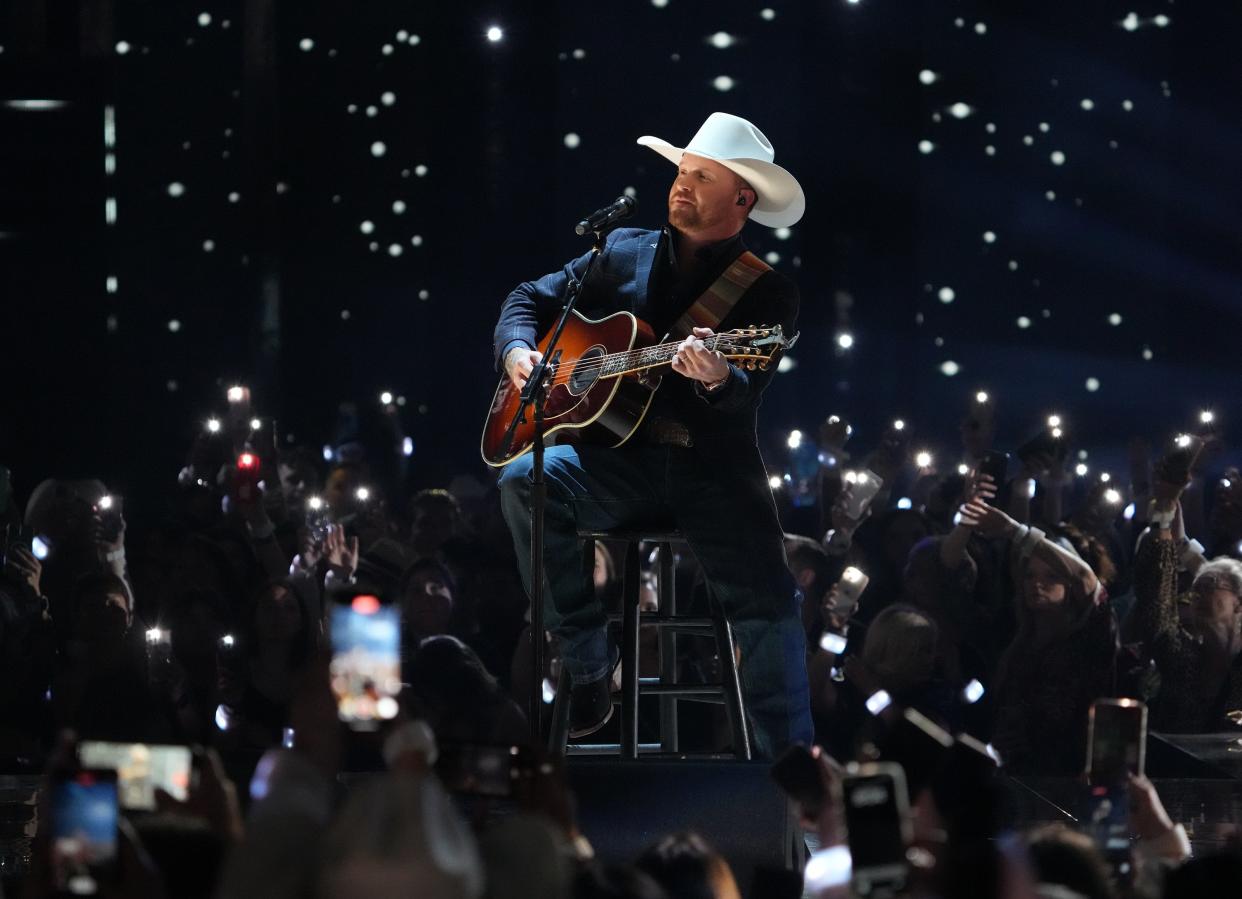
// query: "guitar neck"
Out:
[617,364]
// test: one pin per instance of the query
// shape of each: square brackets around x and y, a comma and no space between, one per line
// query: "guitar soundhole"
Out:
[586,371]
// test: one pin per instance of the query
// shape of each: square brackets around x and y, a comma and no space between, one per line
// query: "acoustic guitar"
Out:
[604,376]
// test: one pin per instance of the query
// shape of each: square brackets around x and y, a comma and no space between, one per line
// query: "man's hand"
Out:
[519,363]
[694,360]
[1148,819]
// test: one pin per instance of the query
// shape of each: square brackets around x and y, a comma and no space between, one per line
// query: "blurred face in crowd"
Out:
[340,487]
[1042,587]
[1216,606]
[602,574]
[277,615]
[978,430]
[427,603]
[296,481]
[433,523]
[104,617]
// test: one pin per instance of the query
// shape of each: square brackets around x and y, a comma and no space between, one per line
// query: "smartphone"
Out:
[110,510]
[366,660]
[849,589]
[877,818]
[1107,820]
[246,478]
[864,485]
[16,535]
[141,769]
[797,774]
[84,813]
[478,769]
[1116,740]
[1175,465]
[318,517]
[995,465]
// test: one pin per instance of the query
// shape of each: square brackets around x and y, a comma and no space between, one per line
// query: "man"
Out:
[695,460]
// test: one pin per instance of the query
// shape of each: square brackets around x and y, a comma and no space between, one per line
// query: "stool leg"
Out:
[558,735]
[730,683]
[629,653]
[670,738]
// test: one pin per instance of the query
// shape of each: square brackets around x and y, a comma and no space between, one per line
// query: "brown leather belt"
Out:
[665,432]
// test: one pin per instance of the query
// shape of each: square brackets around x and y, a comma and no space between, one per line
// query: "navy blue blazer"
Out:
[620,281]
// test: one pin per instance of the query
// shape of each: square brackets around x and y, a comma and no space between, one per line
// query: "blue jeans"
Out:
[733,532]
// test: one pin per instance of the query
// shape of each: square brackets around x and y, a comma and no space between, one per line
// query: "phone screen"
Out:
[797,774]
[874,817]
[995,465]
[84,831]
[863,485]
[366,661]
[141,769]
[1117,738]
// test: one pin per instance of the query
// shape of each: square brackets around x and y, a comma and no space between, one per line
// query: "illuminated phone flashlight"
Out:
[227,641]
[899,425]
[213,426]
[905,503]
[775,482]
[1056,433]
[1105,477]
[981,397]
[314,503]
[105,503]
[1206,417]
[362,494]
[407,446]
[1081,469]
[157,635]
[286,738]
[972,692]
[236,393]
[1128,514]
[878,701]
[1183,441]
[833,643]
[923,459]
[845,340]
[1226,483]
[255,424]
[1054,421]
[548,692]
[386,398]
[248,461]
[794,440]
[963,469]
[41,547]
[1112,497]
[852,575]
[1030,489]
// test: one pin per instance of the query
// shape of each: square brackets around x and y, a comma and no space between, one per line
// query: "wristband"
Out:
[1162,520]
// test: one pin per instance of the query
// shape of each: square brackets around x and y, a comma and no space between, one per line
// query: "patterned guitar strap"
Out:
[718,300]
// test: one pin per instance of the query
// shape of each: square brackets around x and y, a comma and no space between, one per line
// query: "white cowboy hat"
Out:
[741,147]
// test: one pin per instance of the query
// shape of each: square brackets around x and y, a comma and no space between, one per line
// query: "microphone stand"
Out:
[534,395]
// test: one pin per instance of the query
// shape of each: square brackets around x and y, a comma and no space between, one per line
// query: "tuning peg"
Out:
[763,366]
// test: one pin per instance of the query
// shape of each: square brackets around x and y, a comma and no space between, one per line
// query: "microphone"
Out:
[622,207]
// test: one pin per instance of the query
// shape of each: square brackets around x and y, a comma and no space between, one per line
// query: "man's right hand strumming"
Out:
[519,363]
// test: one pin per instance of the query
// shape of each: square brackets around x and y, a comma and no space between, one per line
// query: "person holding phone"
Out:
[1199,655]
[1063,655]
[695,459]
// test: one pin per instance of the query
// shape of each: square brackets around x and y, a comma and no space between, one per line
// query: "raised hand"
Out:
[342,556]
[23,568]
[989,521]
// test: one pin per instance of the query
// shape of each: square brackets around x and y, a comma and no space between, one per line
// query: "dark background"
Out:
[283,290]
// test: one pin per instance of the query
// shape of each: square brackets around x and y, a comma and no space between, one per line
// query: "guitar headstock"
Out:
[755,347]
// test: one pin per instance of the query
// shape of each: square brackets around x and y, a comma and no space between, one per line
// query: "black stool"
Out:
[728,692]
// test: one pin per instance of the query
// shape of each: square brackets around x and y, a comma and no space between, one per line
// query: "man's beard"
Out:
[684,217]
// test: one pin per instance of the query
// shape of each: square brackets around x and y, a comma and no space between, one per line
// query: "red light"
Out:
[247,460]
[365,604]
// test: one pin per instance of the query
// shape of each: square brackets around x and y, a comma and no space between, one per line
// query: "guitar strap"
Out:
[718,300]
